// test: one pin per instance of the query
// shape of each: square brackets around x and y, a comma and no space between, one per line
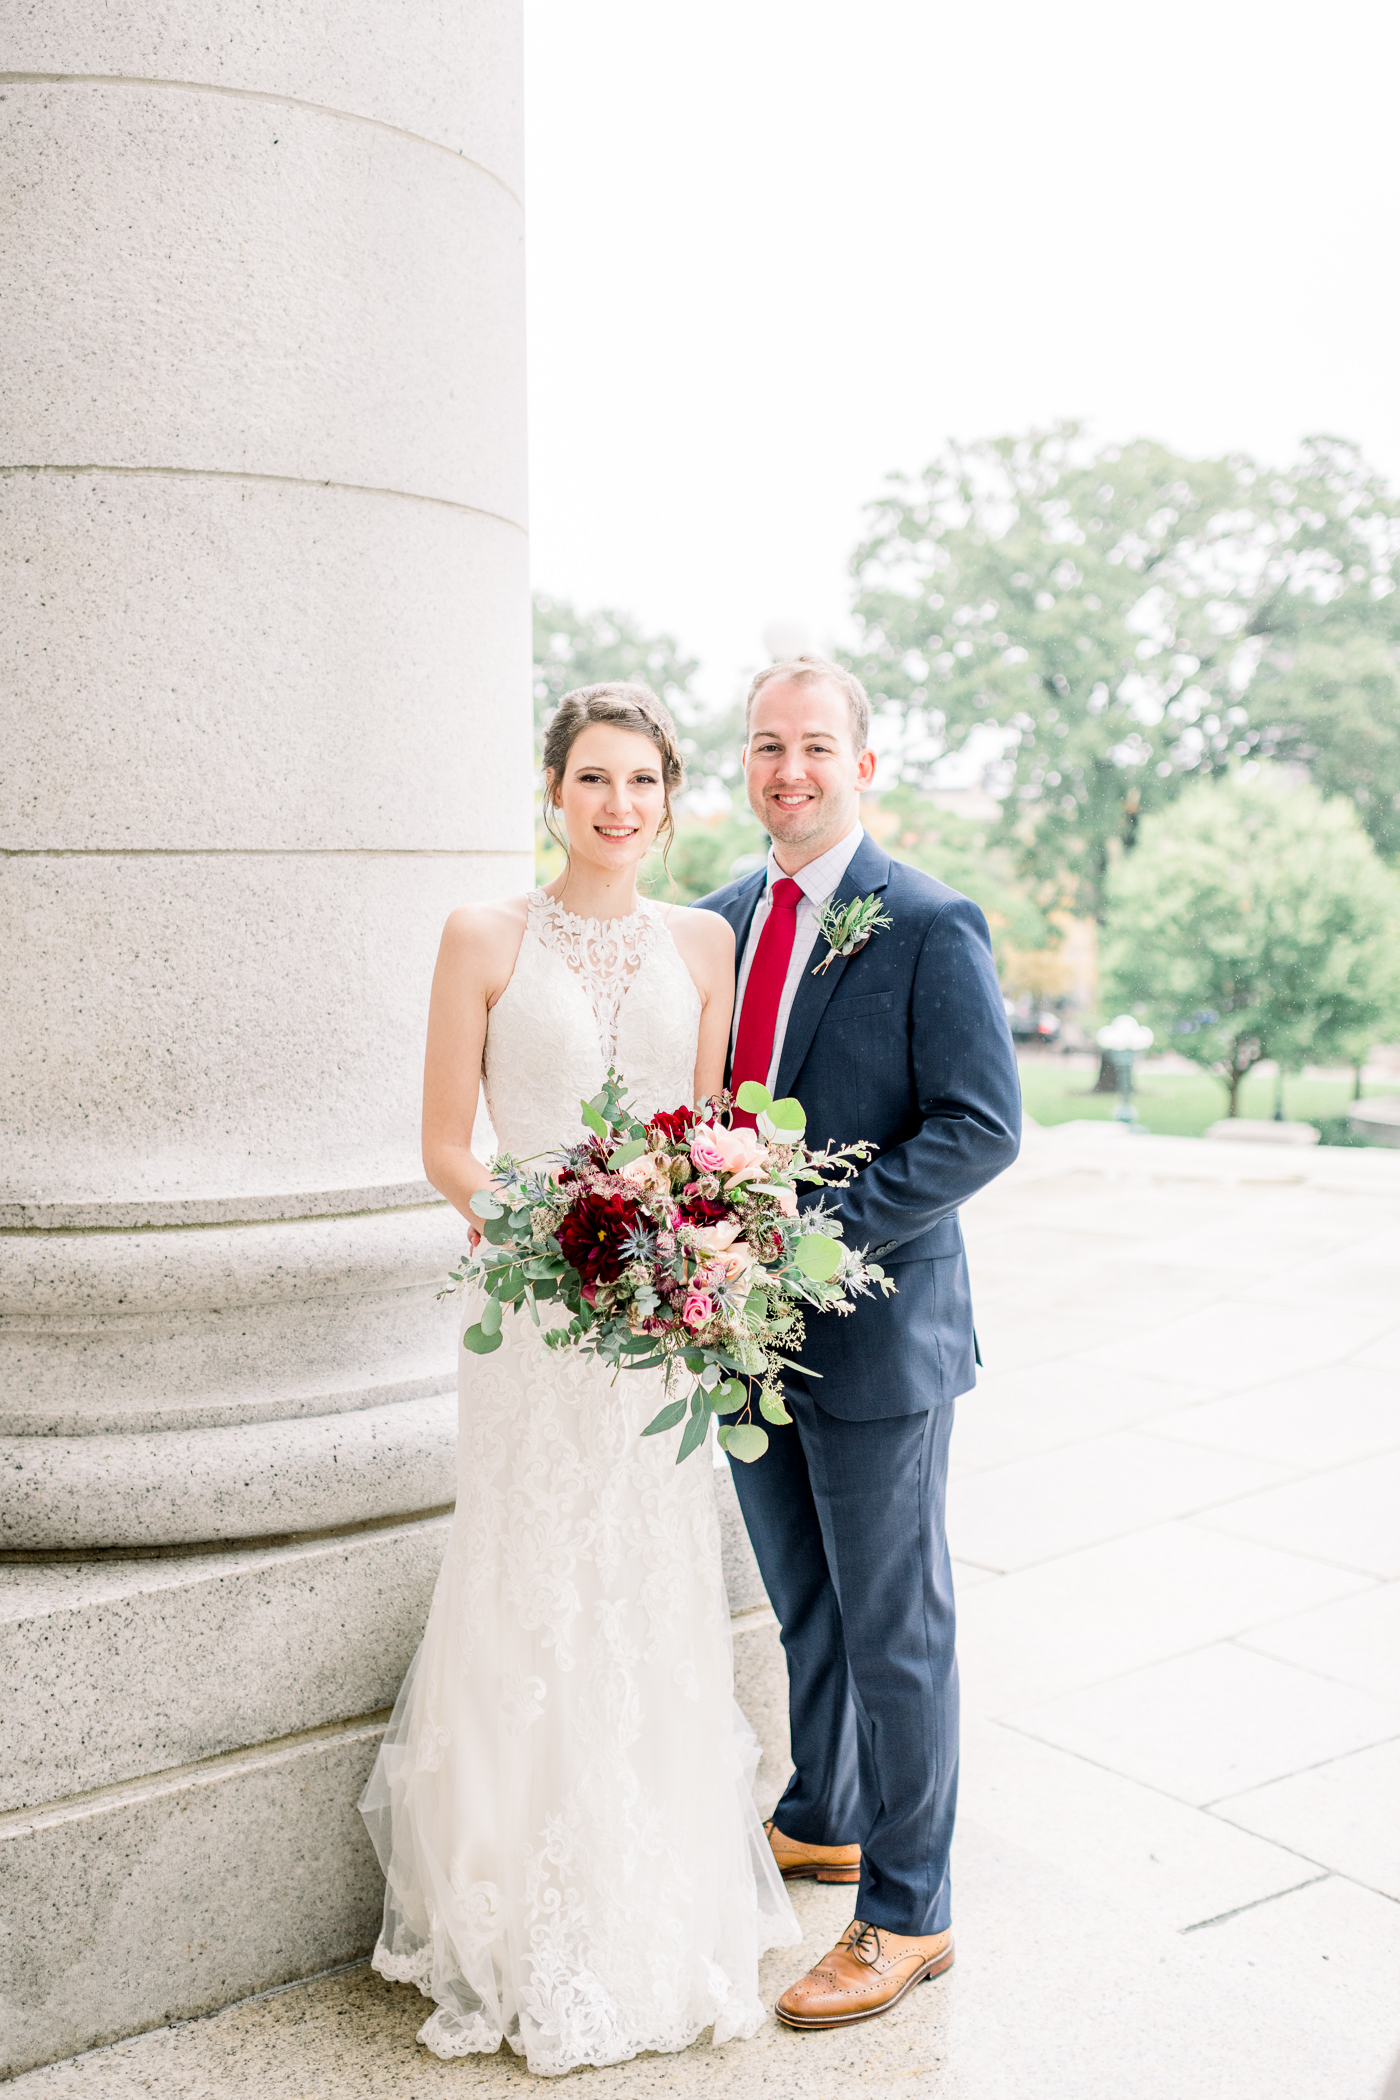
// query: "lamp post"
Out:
[1122,1038]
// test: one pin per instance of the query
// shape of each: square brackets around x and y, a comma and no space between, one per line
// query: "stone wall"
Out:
[264,708]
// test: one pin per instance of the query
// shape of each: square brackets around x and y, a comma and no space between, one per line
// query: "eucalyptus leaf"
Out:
[594,1121]
[788,1115]
[481,1344]
[667,1419]
[746,1442]
[772,1410]
[752,1097]
[727,1398]
[695,1432]
[490,1321]
[817,1256]
[625,1154]
[484,1205]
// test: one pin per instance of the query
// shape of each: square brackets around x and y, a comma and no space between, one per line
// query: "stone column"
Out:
[264,714]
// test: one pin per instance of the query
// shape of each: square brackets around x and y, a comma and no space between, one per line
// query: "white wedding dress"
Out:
[562,1804]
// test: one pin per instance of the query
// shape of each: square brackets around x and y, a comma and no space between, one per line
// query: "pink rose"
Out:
[698,1308]
[705,1152]
[744,1155]
[738,1149]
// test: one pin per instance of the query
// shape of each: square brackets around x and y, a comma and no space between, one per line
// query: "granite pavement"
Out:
[1175,1512]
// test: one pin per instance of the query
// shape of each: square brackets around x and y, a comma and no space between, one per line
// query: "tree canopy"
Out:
[1126,620]
[1255,919]
[573,648]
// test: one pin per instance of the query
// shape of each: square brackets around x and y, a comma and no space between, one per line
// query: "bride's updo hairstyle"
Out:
[620,706]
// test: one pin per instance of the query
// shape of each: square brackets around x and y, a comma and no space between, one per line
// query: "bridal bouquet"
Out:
[675,1244]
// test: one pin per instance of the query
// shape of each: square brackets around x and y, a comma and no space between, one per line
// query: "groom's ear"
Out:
[865,768]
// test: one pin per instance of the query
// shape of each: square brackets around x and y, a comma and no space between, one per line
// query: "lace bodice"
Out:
[586,994]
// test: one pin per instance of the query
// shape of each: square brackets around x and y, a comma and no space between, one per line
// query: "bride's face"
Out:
[612,797]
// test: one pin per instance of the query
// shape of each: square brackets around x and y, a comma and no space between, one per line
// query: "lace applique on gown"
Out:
[562,1803]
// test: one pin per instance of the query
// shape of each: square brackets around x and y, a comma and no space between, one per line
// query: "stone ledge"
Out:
[209,1268]
[242,1482]
[127,1214]
[152,1902]
[133,1667]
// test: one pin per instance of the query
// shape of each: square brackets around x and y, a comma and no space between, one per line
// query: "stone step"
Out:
[171,1895]
[133,1666]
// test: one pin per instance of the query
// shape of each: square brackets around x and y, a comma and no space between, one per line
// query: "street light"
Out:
[1121,1040]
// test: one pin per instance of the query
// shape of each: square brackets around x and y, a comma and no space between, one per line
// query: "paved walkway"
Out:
[1176,1511]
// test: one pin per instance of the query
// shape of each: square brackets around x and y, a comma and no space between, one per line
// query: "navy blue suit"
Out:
[906,1044]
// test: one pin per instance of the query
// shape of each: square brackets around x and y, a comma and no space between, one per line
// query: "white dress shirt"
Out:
[817,881]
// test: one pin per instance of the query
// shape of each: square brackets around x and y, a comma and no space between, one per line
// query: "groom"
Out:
[903,1042]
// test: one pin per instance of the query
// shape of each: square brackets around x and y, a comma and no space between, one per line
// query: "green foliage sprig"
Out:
[847,927]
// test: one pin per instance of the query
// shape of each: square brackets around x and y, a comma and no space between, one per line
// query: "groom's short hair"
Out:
[808,669]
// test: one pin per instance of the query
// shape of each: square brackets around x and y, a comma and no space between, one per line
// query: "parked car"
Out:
[1030,1023]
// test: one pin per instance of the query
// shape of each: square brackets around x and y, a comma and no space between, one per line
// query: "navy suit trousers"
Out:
[846,1520]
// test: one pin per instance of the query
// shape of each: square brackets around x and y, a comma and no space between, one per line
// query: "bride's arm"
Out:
[475,960]
[706,944]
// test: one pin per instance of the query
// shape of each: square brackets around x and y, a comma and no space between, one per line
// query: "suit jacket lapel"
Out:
[869,871]
[741,911]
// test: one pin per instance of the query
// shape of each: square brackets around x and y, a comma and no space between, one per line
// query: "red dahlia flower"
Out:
[673,1123]
[591,1235]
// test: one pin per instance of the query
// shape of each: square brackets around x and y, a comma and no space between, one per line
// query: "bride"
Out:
[562,1805]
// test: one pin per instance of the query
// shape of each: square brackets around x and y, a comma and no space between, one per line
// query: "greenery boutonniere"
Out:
[849,928]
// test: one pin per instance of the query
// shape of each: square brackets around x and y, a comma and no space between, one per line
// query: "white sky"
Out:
[779,248]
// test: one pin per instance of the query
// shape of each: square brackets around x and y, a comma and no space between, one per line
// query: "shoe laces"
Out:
[863,1941]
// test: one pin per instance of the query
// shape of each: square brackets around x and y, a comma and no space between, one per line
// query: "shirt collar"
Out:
[820,878]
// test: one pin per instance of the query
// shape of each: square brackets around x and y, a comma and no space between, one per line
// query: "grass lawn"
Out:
[1180,1104]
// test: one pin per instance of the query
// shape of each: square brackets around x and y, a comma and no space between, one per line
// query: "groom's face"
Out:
[803,772]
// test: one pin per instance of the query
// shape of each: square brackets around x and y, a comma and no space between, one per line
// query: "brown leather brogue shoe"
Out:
[866,1972]
[799,1862]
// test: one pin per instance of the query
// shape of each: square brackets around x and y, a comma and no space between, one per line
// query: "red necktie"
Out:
[758,1016]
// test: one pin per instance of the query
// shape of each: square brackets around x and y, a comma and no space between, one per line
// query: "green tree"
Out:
[708,852]
[1255,920]
[958,851]
[573,648]
[1125,619]
[1332,705]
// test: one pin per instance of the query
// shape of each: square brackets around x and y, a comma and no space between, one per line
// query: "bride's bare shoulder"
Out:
[485,937]
[702,934]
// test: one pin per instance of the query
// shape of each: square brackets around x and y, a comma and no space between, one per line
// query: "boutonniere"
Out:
[848,929]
